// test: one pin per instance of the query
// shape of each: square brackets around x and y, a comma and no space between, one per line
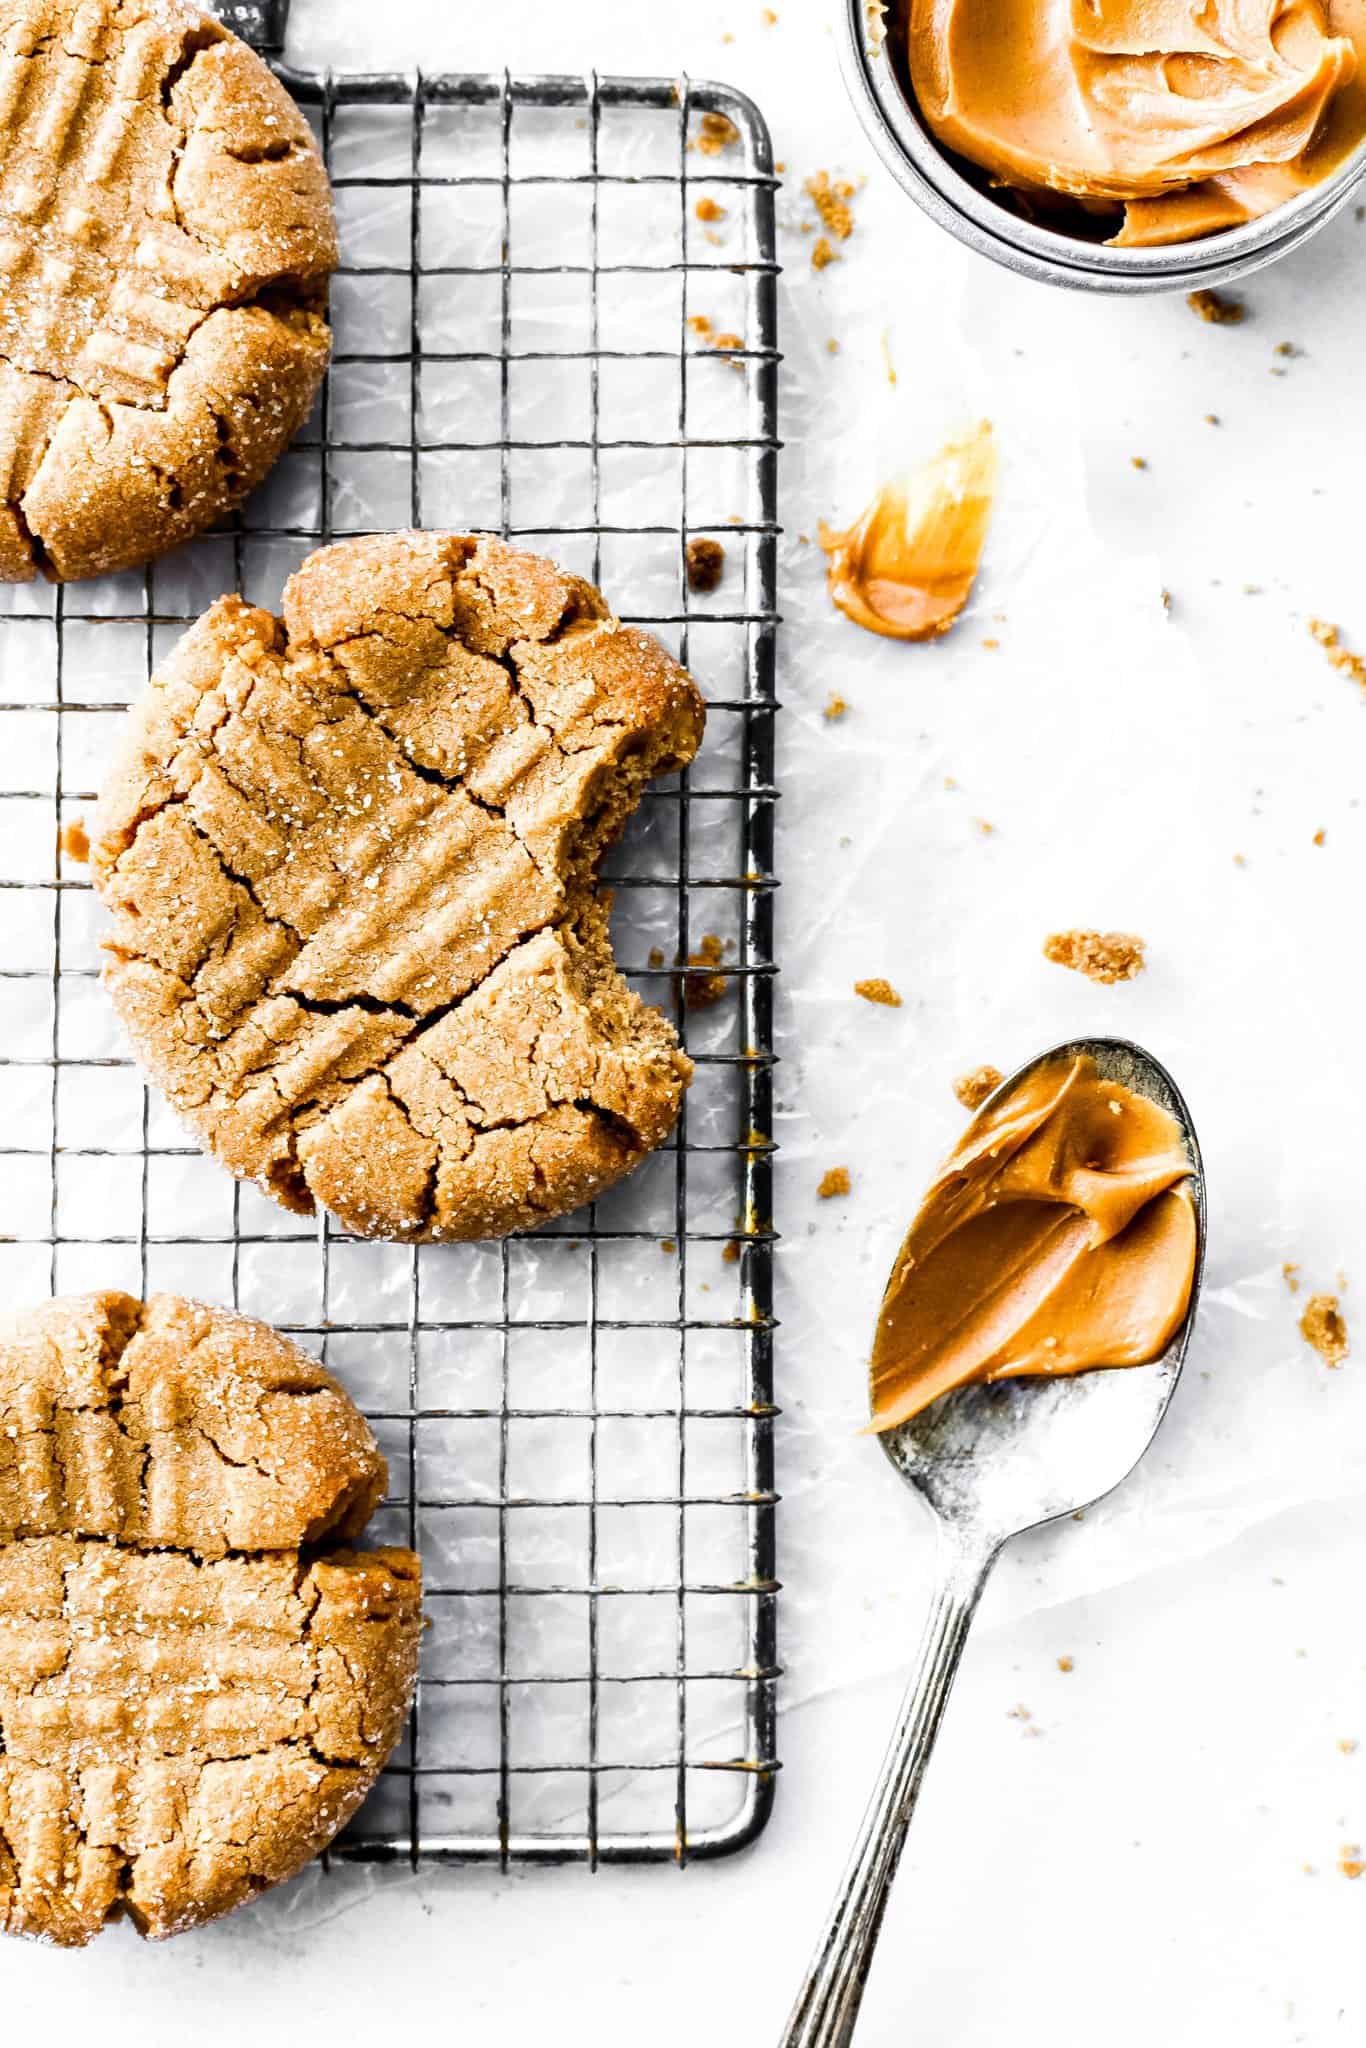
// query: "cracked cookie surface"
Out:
[199,1678]
[351,859]
[166,236]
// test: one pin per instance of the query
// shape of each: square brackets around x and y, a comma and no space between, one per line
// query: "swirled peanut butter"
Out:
[1191,115]
[906,566]
[1059,1235]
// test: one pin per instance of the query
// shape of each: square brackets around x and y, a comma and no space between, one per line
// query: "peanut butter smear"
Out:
[906,566]
[1059,1235]
[1190,115]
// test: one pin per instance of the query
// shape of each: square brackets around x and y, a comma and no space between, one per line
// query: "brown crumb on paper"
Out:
[1217,308]
[822,254]
[769,17]
[1349,1860]
[1320,836]
[728,341]
[1139,461]
[878,990]
[1100,956]
[1065,1664]
[973,1089]
[831,202]
[1290,1273]
[835,707]
[1324,1327]
[706,561]
[730,1252]
[75,840]
[709,209]
[835,1181]
[1329,638]
[668,1246]
[703,985]
[716,133]
[700,325]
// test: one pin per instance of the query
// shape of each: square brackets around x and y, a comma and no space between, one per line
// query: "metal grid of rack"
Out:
[538,331]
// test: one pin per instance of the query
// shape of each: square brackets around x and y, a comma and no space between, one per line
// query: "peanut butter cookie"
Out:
[166,237]
[191,1703]
[351,859]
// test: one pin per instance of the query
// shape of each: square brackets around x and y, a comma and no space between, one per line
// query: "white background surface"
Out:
[1129,1862]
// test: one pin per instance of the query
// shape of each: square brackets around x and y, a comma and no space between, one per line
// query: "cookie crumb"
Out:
[1324,1327]
[668,1246]
[730,1252]
[703,985]
[75,840]
[699,324]
[1349,1860]
[835,707]
[1290,1273]
[972,1089]
[1329,638]
[728,341]
[822,253]
[717,132]
[1065,1664]
[706,561]
[1139,461]
[709,209]
[769,17]
[835,1181]
[878,990]
[831,202]
[1320,836]
[1348,1745]
[1100,956]
[1217,308]
[888,365]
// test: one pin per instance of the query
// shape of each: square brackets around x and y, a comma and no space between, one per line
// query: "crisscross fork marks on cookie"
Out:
[191,1701]
[351,858]
[165,240]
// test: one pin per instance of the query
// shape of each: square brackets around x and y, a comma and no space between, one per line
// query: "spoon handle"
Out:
[827,2007]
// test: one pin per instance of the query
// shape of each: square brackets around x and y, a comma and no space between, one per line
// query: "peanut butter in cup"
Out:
[1167,119]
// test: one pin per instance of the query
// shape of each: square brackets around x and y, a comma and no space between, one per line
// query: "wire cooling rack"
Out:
[536,332]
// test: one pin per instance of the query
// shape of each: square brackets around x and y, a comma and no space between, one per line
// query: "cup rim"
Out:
[928,173]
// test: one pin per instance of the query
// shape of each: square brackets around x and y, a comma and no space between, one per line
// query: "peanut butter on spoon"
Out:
[1190,115]
[1059,1235]
[906,566]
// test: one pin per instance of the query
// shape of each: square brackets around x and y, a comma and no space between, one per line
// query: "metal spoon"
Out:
[991,1461]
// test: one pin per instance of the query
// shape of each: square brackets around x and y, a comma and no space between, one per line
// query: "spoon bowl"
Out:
[991,1460]
[1001,1457]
